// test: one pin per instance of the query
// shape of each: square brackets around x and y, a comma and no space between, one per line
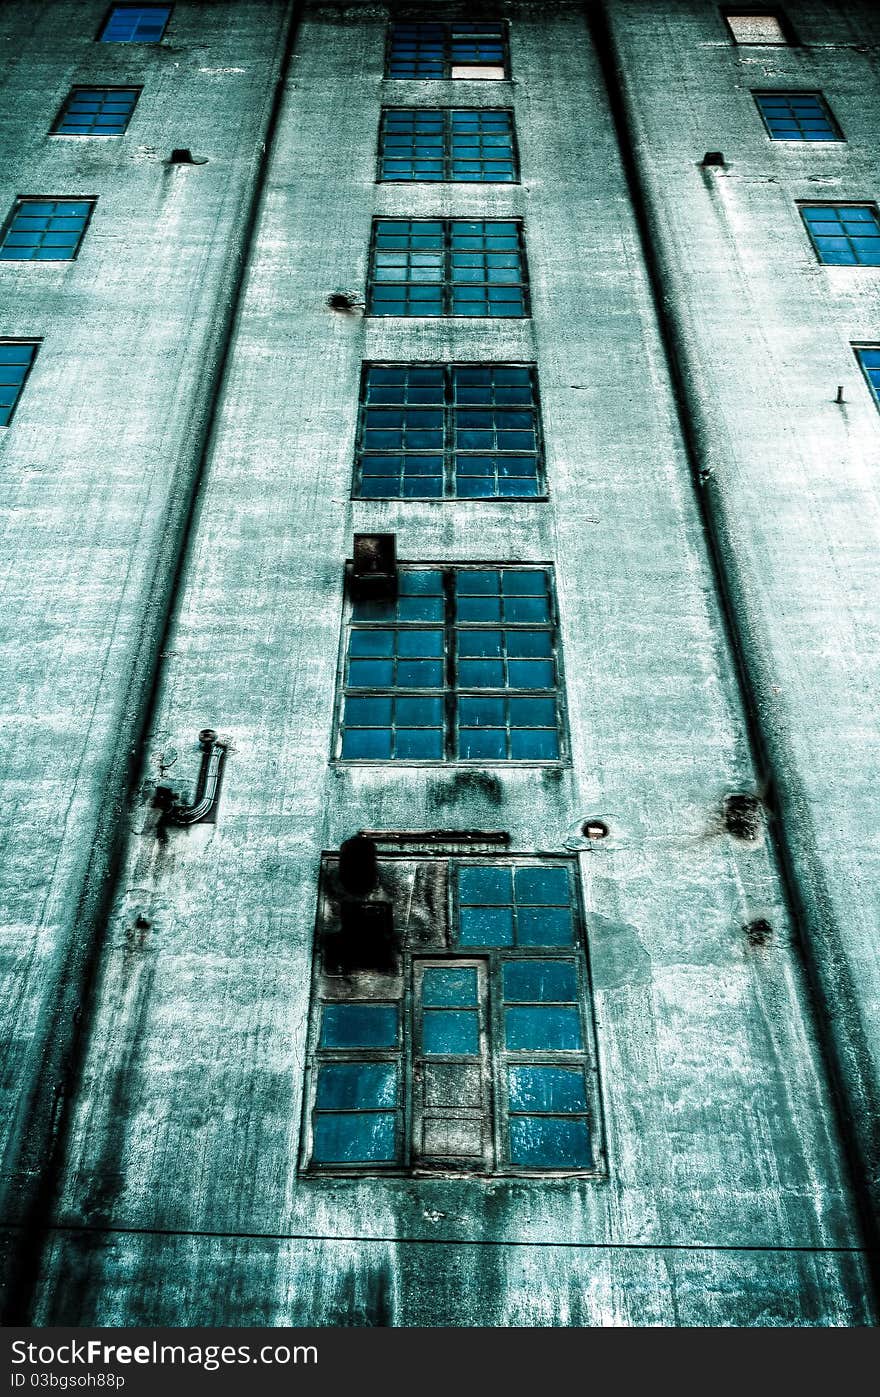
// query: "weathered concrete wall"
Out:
[764,334]
[99,463]
[722,1134]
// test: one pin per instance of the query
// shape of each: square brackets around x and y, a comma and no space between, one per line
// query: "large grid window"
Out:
[135,24]
[96,111]
[756,27]
[45,230]
[844,235]
[797,116]
[16,360]
[475,1054]
[449,431]
[456,266]
[461,666]
[427,49]
[433,144]
[868,356]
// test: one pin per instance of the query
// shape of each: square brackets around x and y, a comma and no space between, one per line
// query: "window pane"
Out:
[550,1142]
[539,980]
[546,1089]
[359,1026]
[492,885]
[354,1138]
[449,987]
[543,885]
[486,926]
[454,1031]
[538,1029]
[356,1085]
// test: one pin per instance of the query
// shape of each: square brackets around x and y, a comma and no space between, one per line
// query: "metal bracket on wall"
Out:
[207,786]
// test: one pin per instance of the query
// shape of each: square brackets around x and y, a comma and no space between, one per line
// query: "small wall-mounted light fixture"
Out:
[180,155]
[713,159]
[343,301]
[207,786]
[594,829]
[374,571]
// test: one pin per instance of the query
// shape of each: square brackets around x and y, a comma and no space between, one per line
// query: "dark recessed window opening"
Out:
[16,361]
[449,431]
[844,235]
[437,267]
[797,116]
[473,1051]
[433,144]
[45,230]
[868,356]
[461,49]
[96,111]
[462,665]
[135,24]
[748,26]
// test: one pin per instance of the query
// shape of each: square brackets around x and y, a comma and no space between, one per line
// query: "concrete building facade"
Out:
[584,1031]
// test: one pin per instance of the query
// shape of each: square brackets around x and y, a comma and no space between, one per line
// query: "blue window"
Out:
[844,235]
[449,431]
[460,666]
[45,230]
[435,267]
[493,1071]
[96,111]
[135,24]
[499,905]
[430,49]
[431,145]
[869,358]
[16,361]
[797,116]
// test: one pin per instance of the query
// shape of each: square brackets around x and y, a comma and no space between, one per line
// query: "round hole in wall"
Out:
[594,829]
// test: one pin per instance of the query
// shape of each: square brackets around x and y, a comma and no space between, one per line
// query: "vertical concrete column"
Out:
[771,593]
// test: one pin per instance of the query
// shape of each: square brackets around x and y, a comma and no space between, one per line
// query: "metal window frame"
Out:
[585,1059]
[18,203]
[93,87]
[447,176]
[35,344]
[448,450]
[448,26]
[110,12]
[449,692]
[836,204]
[446,284]
[830,117]
[858,348]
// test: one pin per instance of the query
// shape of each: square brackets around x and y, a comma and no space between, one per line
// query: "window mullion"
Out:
[450,698]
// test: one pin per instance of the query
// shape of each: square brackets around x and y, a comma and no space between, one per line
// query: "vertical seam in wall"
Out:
[836,1054]
[35,1159]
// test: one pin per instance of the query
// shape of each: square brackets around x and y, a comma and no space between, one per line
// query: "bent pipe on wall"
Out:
[34,1160]
[840,1008]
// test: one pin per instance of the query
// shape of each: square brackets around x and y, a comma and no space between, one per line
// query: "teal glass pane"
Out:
[359,1026]
[485,926]
[539,1029]
[450,1031]
[355,1138]
[348,1086]
[539,980]
[485,884]
[543,885]
[544,926]
[550,1142]
[534,1088]
[451,987]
